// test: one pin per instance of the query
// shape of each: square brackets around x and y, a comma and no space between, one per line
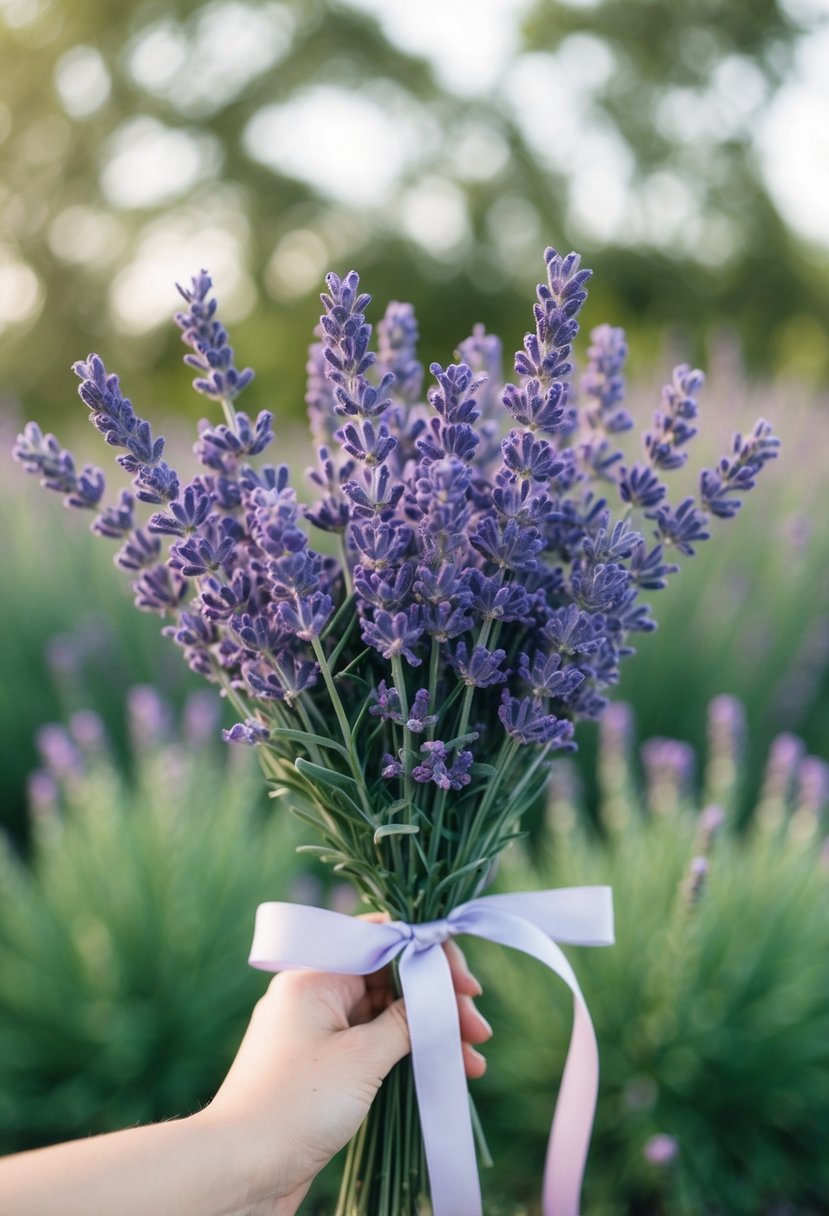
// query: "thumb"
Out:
[386,1038]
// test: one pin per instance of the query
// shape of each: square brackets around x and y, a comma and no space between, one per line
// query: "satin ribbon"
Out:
[295,936]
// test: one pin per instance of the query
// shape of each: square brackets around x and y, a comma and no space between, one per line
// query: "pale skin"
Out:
[310,1064]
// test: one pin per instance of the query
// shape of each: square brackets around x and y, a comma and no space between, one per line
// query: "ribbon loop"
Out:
[293,935]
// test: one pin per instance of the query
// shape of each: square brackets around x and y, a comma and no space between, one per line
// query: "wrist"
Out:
[246,1175]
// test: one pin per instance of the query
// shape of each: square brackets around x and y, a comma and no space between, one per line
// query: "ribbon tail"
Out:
[440,1081]
[573,1120]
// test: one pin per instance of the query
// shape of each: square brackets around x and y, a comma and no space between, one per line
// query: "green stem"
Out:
[488,839]
[408,746]
[306,722]
[474,823]
[229,413]
[349,585]
[342,718]
[434,664]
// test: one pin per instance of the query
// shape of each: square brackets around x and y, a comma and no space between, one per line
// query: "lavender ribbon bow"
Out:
[293,935]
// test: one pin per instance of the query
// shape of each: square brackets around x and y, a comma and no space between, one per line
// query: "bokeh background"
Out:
[437,147]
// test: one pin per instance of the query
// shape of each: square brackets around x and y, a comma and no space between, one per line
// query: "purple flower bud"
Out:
[525,721]
[481,668]
[508,546]
[138,551]
[546,353]
[682,527]
[640,486]
[183,515]
[307,617]
[249,732]
[572,632]
[42,794]
[435,767]
[394,635]
[381,544]
[149,717]
[453,397]
[669,771]
[117,521]
[491,600]
[547,678]
[87,729]
[59,752]
[201,718]
[530,459]
[661,1150]
[419,716]
[536,409]
[387,703]
[391,767]
[42,454]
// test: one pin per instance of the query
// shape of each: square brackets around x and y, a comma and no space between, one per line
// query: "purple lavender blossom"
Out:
[525,721]
[736,474]
[386,703]
[42,454]
[419,717]
[481,668]
[116,522]
[546,353]
[213,356]
[435,767]
[394,635]
[671,425]
[546,676]
[138,551]
[112,414]
[683,527]
[397,337]
[250,732]
[603,383]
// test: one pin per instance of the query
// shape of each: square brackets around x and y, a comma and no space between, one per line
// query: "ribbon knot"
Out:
[428,933]
[293,935]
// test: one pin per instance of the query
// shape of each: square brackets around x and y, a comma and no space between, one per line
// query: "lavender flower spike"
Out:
[221,380]
[39,453]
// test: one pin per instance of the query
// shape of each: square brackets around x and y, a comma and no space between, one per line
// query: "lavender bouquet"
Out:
[410,693]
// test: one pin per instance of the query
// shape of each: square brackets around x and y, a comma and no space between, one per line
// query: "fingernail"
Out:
[477,1055]
[478,989]
[484,1022]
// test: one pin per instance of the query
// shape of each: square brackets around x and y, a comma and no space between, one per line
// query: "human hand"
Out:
[312,1060]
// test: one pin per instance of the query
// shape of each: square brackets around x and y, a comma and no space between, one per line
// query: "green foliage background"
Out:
[732,989]
[58,214]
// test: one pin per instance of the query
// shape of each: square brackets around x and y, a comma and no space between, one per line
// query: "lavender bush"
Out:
[712,1008]
[121,997]
[411,694]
